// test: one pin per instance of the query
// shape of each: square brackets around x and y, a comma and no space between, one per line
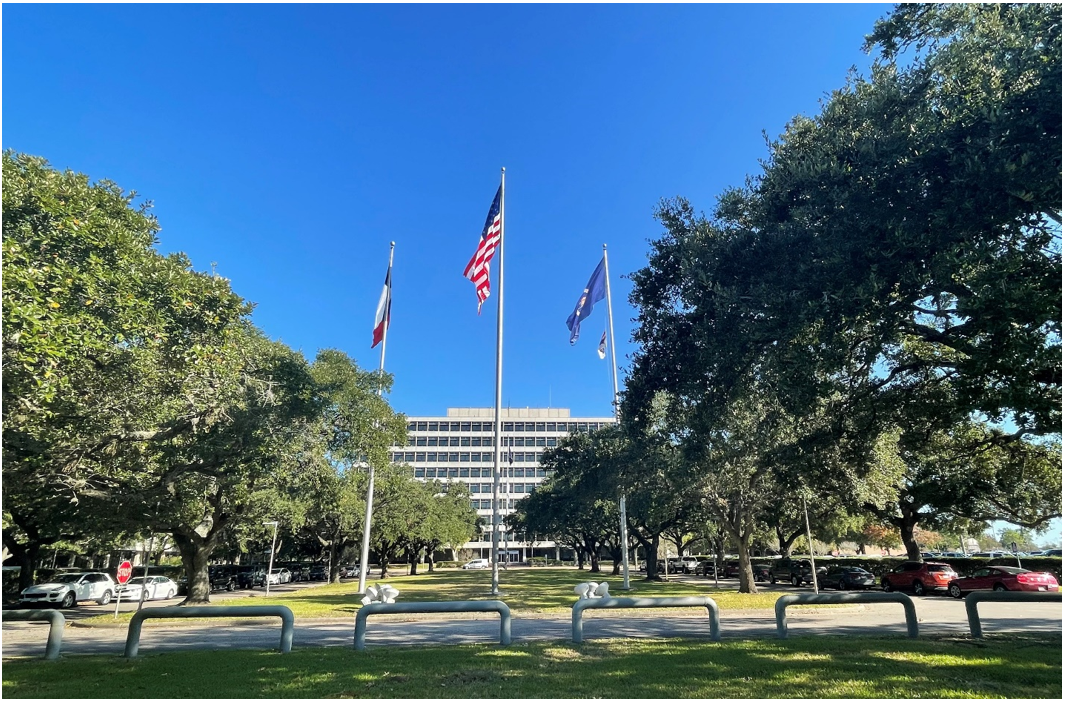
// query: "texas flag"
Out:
[381,320]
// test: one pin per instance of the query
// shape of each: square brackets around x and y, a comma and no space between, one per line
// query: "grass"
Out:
[1001,666]
[526,592]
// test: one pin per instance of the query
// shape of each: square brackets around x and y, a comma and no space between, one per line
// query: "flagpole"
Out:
[499,398]
[363,559]
[614,380]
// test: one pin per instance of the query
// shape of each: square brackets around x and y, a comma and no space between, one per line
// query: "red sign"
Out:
[125,571]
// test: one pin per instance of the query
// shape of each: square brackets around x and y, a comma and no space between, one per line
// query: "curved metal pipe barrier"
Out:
[57,622]
[860,597]
[974,597]
[133,636]
[435,607]
[582,605]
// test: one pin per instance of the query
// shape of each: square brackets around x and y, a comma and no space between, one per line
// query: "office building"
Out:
[458,447]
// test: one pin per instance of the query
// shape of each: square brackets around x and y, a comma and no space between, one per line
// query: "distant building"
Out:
[458,448]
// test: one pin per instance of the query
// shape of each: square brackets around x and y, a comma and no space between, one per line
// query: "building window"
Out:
[411,425]
[464,472]
[433,425]
[571,427]
[464,442]
[550,428]
[475,427]
[540,472]
[420,442]
[508,427]
[541,442]
[422,425]
[420,457]
[464,427]
[475,488]
[464,456]
[454,427]
[550,443]
[583,427]
[538,456]
[420,472]
[408,457]
[453,442]
[540,427]
[453,472]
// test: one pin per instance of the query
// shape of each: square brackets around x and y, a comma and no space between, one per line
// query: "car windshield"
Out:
[136,580]
[67,578]
[940,568]
[1013,570]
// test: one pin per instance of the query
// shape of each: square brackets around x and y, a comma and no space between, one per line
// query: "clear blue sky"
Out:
[289,144]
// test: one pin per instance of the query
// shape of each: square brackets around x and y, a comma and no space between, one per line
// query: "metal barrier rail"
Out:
[576,623]
[974,597]
[436,607]
[57,622]
[860,597]
[133,636]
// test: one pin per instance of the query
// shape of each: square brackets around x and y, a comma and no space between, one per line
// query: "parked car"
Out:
[250,577]
[919,577]
[844,577]
[153,588]
[1057,552]
[222,577]
[1000,578]
[350,571]
[279,575]
[993,553]
[731,569]
[707,568]
[478,564]
[318,573]
[300,574]
[791,570]
[65,590]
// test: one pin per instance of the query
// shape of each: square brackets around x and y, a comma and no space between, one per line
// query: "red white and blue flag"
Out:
[384,313]
[478,268]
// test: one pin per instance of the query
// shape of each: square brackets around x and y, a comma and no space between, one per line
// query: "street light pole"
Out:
[270,565]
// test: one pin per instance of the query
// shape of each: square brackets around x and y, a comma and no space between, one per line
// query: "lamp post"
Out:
[270,565]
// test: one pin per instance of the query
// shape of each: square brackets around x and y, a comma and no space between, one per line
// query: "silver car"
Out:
[66,590]
[153,588]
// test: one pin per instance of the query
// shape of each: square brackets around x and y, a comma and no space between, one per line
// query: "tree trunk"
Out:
[195,557]
[652,559]
[747,577]
[26,555]
[906,526]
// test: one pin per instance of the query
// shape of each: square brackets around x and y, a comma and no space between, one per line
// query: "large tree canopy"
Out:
[902,248]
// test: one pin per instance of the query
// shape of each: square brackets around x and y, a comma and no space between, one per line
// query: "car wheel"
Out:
[68,601]
[795,581]
[919,588]
[170,593]
[886,585]
[105,599]
[955,591]
[999,588]
[147,596]
[842,585]
[230,587]
[773,579]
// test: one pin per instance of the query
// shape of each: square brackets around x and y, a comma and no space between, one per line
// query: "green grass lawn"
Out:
[1001,666]
[525,591]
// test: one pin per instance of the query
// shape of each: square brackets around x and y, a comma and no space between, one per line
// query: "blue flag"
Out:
[594,292]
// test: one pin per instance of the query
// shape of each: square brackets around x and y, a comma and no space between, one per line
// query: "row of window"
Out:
[454,441]
[505,488]
[487,504]
[465,472]
[508,426]
[466,457]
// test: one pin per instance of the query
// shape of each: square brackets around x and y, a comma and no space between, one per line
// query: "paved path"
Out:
[936,615]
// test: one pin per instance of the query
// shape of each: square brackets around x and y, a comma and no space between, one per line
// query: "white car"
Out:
[351,571]
[479,564]
[279,575]
[67,589]
[153,587]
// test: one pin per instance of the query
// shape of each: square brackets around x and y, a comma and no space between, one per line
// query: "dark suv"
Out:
[250,577]
[795,572]
[222,577]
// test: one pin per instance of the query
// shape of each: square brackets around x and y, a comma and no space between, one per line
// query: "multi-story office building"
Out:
[458,447]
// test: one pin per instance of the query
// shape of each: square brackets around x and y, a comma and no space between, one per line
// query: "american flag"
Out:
[478,268]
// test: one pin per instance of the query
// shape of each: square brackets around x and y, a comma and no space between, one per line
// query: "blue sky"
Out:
[289,144]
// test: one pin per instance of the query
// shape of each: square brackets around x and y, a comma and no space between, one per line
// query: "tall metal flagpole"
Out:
[614,379]
[365,557]
[499,397]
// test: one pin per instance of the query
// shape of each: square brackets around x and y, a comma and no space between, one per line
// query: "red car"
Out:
[999,579]
[920,577]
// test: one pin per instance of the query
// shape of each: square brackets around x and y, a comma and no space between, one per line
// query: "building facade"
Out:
[458,447]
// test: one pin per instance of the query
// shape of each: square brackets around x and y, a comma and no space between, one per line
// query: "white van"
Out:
[479,564]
